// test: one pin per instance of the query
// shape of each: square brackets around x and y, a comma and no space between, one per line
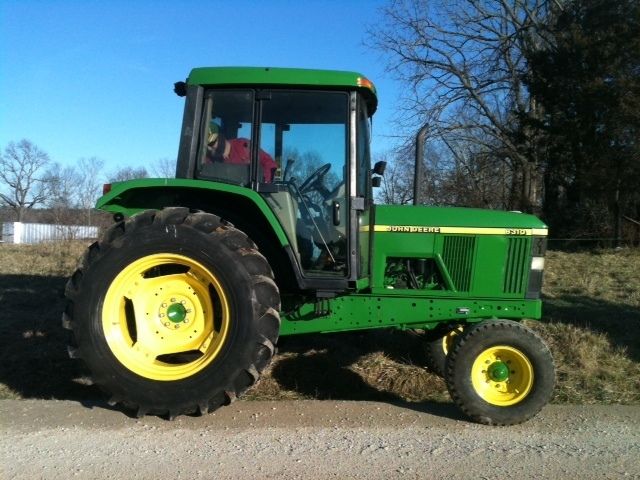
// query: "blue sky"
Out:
[84,78]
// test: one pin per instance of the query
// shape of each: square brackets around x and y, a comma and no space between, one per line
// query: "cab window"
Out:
[226,137]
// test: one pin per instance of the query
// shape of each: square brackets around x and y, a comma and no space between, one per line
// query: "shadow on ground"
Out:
[33,354]
[323,367]
[318,365]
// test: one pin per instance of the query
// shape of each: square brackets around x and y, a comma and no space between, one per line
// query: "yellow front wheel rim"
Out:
[502,375]
[165,317]
[449,338]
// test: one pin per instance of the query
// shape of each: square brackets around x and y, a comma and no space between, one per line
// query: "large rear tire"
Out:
[500,373]
[174,312]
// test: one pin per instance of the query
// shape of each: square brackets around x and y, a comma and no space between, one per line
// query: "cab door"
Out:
[308,135]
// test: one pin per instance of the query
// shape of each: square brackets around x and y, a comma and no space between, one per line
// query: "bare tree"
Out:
[89,185]
[398,181]
[164,168]
[63,185]
[464,63]
[22,171]
[128,173]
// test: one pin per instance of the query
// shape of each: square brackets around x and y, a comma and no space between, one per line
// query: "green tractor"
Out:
[269,229]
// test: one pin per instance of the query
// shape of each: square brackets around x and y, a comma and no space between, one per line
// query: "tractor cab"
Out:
[302,146]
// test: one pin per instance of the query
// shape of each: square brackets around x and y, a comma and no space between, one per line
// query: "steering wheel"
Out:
[315,179]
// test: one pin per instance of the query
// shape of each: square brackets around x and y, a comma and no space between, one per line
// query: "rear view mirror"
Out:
[379,167]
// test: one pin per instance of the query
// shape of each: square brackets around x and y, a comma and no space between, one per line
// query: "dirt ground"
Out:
[314,440]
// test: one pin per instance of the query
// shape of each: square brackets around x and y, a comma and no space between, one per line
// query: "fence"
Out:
[18,232]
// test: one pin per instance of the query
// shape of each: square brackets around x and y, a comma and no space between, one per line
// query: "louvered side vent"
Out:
[457,254]
[515,272]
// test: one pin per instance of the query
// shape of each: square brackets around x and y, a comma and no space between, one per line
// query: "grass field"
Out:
[591,322]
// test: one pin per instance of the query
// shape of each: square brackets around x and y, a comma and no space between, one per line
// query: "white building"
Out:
[18,232]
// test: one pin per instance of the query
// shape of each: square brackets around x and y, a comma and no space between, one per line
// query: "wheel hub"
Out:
[176,313]
[176,310]
[498,371]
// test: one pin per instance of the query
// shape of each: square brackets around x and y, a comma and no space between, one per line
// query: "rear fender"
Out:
[128,198]
[243,207]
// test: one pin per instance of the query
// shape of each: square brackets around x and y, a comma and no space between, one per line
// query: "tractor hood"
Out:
[409,218]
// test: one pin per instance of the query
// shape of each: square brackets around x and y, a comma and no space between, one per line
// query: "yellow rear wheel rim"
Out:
[165,317]
[502,376]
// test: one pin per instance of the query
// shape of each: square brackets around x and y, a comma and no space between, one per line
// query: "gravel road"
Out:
[314,439]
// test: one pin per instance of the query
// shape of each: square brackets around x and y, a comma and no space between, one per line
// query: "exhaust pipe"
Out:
[417,184]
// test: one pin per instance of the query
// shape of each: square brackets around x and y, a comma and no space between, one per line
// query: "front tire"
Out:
[500,373]
[174,312]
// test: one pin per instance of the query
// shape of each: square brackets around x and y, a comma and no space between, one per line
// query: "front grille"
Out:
[457,254]
[517,266]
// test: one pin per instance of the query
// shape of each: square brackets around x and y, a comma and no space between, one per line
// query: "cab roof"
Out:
[285,77]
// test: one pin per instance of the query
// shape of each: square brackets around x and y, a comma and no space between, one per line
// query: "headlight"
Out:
[538,249]
[537,263]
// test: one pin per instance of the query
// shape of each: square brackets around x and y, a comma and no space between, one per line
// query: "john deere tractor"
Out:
[270,229]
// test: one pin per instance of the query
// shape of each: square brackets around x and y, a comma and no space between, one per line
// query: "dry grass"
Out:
[591,368]
[591,323]
[44,260]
